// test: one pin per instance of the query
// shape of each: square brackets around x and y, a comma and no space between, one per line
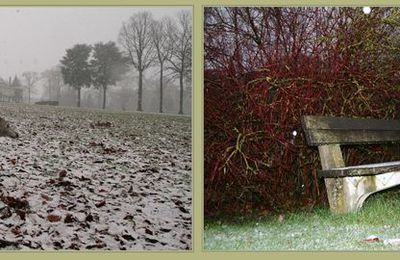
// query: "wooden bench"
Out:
[348,187]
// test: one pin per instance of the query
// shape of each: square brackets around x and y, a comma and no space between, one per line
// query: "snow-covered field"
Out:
[88,179]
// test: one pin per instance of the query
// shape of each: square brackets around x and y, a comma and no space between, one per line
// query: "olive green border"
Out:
[197,123]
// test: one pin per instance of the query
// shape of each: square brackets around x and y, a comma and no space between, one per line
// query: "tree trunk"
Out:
[49,81]
[104,96]
[139,107]
[29,95]
[79,97]
[99,99]
[161,88]
[181,93]
[58,93]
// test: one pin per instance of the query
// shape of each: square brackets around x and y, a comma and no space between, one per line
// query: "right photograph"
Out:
[301,128]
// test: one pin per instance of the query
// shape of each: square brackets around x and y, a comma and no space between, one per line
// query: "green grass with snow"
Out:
[317,230]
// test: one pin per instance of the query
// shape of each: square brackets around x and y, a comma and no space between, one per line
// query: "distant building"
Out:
[10,94]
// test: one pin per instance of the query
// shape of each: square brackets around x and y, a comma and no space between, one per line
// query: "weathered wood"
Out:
[359,188]
[321,130]
[321,137]
[331,157]
[348,187]
[344,123]
[360,170]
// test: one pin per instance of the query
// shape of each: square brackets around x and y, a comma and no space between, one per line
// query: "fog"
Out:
[36,39]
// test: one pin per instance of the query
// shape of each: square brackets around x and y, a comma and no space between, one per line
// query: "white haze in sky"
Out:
[35,38]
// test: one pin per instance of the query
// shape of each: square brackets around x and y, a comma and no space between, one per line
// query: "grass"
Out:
[308,231]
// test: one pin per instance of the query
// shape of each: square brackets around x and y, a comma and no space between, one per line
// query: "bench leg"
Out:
[336,194]
[349,193]
[331,157]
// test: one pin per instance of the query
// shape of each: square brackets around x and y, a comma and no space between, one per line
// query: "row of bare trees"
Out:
[158,47]
[164,43]
[52,78]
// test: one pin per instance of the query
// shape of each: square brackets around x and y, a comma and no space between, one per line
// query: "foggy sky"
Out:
[35,38]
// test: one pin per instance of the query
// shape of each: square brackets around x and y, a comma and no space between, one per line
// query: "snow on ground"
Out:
[89,179]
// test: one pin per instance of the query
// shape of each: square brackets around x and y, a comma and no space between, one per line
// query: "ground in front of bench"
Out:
[316,230]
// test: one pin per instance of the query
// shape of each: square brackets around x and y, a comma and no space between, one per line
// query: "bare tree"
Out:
[163,50]
[54,80]
[180,40]
[30,78]
[135,38]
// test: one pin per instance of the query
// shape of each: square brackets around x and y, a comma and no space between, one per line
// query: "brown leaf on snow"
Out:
[15,202]
[53,218]
[151,240]
[148,231]
[16,230]
[183,210]
[89,218]
[130,189]
[45,197]
[128,217]
[64,183]
[96,144]
[99,245]
[74,246]
[102,124]
[69,218]
[62,174]
[109,150]
[83,178]
[21,213]
[98,161]
[62,206]
[128,237]
[100,204]
[57,245]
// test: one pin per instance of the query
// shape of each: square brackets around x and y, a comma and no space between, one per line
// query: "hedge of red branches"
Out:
[264,69]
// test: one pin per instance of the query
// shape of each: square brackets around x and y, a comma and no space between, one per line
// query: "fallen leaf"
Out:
[128,237]
[100,204]
[53,218]
[69,218]
[45,197]
[62,174]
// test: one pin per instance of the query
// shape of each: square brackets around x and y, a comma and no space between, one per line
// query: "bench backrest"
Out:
[322,130]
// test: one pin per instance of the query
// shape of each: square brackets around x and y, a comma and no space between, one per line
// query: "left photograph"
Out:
[95,128]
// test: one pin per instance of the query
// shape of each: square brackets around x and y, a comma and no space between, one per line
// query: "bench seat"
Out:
[360,170]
